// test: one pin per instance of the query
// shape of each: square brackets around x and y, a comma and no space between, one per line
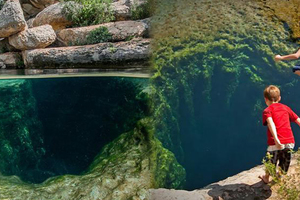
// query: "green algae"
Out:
[198,43]
[125,169]
[21,142]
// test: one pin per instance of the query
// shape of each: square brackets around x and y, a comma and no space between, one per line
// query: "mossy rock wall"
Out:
[21,142]
[125,169]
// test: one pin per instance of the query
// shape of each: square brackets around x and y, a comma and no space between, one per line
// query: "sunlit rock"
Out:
[11,18]
[123,30]
[136,50]
[33,38]
[54,16]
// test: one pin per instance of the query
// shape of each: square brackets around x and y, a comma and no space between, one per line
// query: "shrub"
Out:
[98,35]
[89,13]
[141,11]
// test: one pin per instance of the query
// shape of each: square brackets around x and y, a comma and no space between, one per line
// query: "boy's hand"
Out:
[280,146]
[278,58]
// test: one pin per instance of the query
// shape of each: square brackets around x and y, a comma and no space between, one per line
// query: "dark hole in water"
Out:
[77,117]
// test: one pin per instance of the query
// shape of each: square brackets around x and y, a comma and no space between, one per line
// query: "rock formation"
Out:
[245,185]
[119,31]
[54,16]
[11,18]
[33,38]
[137,50]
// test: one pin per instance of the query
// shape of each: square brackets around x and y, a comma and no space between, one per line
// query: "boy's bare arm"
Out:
[272,128]
[298,121]
[288,57]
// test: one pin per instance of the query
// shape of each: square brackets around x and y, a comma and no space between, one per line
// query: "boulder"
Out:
[42,3]
[123,30]
[104,55]
[37,37]
[29,10]
[11,18]
[30,23]
[121,10]
[10,59]
[5,46]
[54,16]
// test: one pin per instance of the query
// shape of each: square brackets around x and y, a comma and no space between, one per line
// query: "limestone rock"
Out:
[6,47]
[11,18]
[10,59]
[102,55]
[245,185]
[119,30]
[30,23]
[29,10]
[121,10]
[54,16]
[42,3]
[37,37]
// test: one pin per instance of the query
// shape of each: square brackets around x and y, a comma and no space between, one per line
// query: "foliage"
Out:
[141,11]
[88,12]
[99,35]
[287,186]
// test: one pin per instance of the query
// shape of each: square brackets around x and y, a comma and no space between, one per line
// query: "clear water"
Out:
[55,126]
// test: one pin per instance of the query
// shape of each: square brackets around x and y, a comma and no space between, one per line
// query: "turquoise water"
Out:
[56,126]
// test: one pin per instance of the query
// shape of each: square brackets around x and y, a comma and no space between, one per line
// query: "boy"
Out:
[281,141]
[294,56]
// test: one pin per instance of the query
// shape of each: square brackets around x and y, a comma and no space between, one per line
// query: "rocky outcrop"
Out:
[245,185]
[54,16]
[119,31]
[136,50]
[10,59]
[121,10]
[33,38]
[33,7]
[124,169]
[11,18]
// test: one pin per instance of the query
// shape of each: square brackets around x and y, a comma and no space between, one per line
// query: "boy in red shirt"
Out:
[281,141]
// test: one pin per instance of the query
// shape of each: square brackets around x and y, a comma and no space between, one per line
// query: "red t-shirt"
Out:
[282,115]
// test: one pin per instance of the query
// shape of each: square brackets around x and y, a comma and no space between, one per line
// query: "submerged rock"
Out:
[136,50]
[32,38]
[11,18]
[125,169]
[124,30]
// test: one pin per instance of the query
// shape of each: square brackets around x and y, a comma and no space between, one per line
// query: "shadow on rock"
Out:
[257,191]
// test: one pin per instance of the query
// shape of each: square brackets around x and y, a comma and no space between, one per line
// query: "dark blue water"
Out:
[74,118]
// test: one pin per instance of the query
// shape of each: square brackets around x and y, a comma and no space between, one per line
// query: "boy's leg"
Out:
[273,160]
[284,157]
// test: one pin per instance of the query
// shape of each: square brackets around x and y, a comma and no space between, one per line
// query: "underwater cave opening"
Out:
[76,118]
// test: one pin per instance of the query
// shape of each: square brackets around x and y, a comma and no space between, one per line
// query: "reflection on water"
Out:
[213,60]
[51,127]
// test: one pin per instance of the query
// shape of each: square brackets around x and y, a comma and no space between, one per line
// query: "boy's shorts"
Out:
[283,156]
[296,68]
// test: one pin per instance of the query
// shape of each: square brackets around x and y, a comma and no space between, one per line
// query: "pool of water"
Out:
[213,60]
[54,126]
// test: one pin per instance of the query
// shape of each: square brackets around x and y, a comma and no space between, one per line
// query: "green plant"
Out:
[286,186]
[99,35]
[140,11]
[88,12]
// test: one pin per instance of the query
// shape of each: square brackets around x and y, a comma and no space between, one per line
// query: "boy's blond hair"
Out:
[272,93]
